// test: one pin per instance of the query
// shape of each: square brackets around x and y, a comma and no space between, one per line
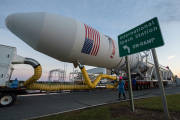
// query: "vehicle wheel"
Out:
[7,99]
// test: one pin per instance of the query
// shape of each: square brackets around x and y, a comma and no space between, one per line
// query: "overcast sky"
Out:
[111,17]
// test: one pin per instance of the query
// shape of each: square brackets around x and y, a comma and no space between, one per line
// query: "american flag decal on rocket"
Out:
[92,41]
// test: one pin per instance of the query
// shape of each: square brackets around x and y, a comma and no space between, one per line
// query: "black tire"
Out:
[7,99]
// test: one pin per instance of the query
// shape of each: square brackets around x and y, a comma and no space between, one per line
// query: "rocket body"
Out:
[67,40]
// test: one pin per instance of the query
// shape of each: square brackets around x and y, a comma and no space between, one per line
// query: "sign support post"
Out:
[129,84]
[144,37]
[160,84]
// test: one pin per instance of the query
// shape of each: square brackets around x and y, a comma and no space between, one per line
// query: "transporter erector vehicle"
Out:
[68,40]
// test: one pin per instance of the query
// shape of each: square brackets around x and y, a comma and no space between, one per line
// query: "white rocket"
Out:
[67,40]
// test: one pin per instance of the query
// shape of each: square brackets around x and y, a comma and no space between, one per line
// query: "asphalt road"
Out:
[28,107]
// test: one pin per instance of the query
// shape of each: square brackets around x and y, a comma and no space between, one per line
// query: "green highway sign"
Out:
[143,37]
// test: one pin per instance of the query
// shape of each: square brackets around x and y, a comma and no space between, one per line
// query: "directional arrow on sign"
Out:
[125,47]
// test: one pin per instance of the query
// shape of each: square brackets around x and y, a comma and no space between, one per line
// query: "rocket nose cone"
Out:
[26,26]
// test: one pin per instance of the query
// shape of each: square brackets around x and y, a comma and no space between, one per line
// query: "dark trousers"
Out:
[123,95]
[134,86]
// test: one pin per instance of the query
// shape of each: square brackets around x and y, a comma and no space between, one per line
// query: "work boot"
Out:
[124,96]
[119,98]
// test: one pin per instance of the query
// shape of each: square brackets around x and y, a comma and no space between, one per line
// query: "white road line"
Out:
[40,94]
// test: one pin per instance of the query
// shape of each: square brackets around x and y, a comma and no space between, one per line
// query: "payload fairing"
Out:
[67,40]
